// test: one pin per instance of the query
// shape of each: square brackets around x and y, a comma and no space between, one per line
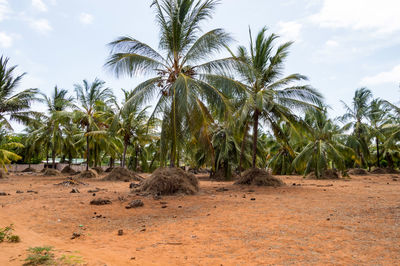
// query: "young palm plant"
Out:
[181,72]
[268,96]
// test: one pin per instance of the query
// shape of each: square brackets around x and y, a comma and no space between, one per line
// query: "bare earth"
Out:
[352,222]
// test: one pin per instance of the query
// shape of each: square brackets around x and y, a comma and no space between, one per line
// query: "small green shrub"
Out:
[40,256]
[14,239]
[6,234]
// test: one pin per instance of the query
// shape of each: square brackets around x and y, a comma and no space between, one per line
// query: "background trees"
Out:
[226,114]
[181,73]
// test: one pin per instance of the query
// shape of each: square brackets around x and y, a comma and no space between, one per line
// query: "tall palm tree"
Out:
[377,116]
[268,96]
[131,124]
[14,106]
[356,117]
[392,132]
[181,71]
[57,105]
[90,96]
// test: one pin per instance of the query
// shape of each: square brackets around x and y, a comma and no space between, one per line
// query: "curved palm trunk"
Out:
[255,137]
[87,149]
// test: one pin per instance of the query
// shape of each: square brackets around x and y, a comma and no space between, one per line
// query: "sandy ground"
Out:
[339,222]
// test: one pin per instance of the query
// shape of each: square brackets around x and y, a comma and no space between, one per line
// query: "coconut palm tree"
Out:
[391,130]
[131,124]
[281,154]
[268,96]
[57,105]
[356,117]
[378,118]
[90,96]
[324,145]
[14,106]
[181,71]
[6,149]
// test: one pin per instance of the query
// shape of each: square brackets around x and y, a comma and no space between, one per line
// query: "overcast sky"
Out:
[340,45]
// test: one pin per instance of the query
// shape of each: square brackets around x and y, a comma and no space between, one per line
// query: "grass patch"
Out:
[40,256]
[71,260]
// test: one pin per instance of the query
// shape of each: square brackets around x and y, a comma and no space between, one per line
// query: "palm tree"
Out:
[225,148]
[90,96]
[181,72]
[267,95]
[377,116]
[356,115]
[14,106]
[131,124]
[392,132]
[57,106]
[323,145]
[6,147]
[281,154]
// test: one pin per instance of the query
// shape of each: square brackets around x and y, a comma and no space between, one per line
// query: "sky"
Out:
[340,45]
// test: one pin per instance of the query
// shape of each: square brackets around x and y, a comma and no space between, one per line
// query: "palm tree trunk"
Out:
[53,159]
[87,149]
[242,148]
[172,156]
[255,136]
[177,159]
[124,154]
[152,161]
[136,157]
[377,152]
[173,148]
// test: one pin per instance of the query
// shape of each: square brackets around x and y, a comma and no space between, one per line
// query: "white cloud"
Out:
[86,18]
[39,5]
[4,9]
[290,31]
[331,44]
[392,76]
[6,40]
[41,25]
[380,16]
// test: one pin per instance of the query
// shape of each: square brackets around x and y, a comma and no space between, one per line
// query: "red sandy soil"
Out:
[352,222]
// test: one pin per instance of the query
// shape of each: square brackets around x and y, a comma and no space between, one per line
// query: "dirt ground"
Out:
[354,222]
